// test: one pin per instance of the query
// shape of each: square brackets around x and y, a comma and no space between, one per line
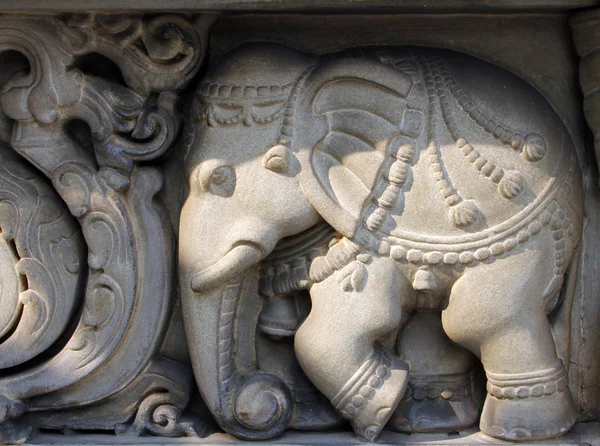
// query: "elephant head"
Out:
[238,171]
[264,161]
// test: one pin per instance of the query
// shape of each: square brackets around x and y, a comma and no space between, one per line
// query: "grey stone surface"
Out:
[581,434]
[301,5]
[376,233]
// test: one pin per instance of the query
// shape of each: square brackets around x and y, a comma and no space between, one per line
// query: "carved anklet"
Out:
[361,388]
[525,385]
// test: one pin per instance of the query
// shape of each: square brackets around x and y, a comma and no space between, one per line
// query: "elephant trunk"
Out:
[236,261]
[254,406]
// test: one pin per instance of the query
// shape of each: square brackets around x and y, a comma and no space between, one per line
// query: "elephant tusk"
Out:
[241,257]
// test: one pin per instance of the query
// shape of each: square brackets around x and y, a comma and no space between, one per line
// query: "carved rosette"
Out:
[86,334]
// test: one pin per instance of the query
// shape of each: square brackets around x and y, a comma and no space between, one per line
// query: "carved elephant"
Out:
[450,185]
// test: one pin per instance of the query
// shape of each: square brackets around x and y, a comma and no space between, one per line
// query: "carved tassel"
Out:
[424,281]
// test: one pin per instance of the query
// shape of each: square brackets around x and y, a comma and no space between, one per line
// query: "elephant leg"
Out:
[439,397]
[247,403]
[338,348]
[498,311]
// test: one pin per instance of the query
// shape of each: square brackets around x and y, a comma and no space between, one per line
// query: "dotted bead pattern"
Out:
[454,387]
[366,392]
[522,392]
[484,166]
[550,215]
[287,93]
[391,186]
[527,386]
[216,90]
[447,393]
[434,90]
[286,131]
[509,185]
[245,115]
[533,146]
[362,387]
[389,190]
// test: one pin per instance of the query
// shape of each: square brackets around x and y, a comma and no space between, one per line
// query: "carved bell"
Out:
[279,317]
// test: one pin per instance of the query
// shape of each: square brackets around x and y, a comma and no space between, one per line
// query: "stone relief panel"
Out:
[443,196]
[373,238]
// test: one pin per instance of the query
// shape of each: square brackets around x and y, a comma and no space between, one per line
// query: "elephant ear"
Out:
[346,114]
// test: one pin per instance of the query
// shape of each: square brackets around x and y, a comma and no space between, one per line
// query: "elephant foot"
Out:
[528,406]
[436,403]
[370,397]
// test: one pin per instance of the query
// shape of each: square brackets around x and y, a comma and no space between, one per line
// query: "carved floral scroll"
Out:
[86,328]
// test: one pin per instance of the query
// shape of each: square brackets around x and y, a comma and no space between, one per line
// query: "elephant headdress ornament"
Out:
[449,185]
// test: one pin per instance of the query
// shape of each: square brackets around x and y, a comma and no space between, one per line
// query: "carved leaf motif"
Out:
[41,259]
[534,147]
[353,277]
[9,288]
[153,124]
[35,312]
[81,341]
[158,415]
[129,285]
[98,226]
[75,192]
[10,220]
[464,213]
[99,307]
[40,299]
[168,47]
[511,185]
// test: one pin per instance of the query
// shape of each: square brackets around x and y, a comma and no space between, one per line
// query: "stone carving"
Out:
[87,133]
[434,187]
[41,258]
[360,229]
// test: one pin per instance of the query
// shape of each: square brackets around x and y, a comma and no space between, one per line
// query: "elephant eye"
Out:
[220,175]
[216,177]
